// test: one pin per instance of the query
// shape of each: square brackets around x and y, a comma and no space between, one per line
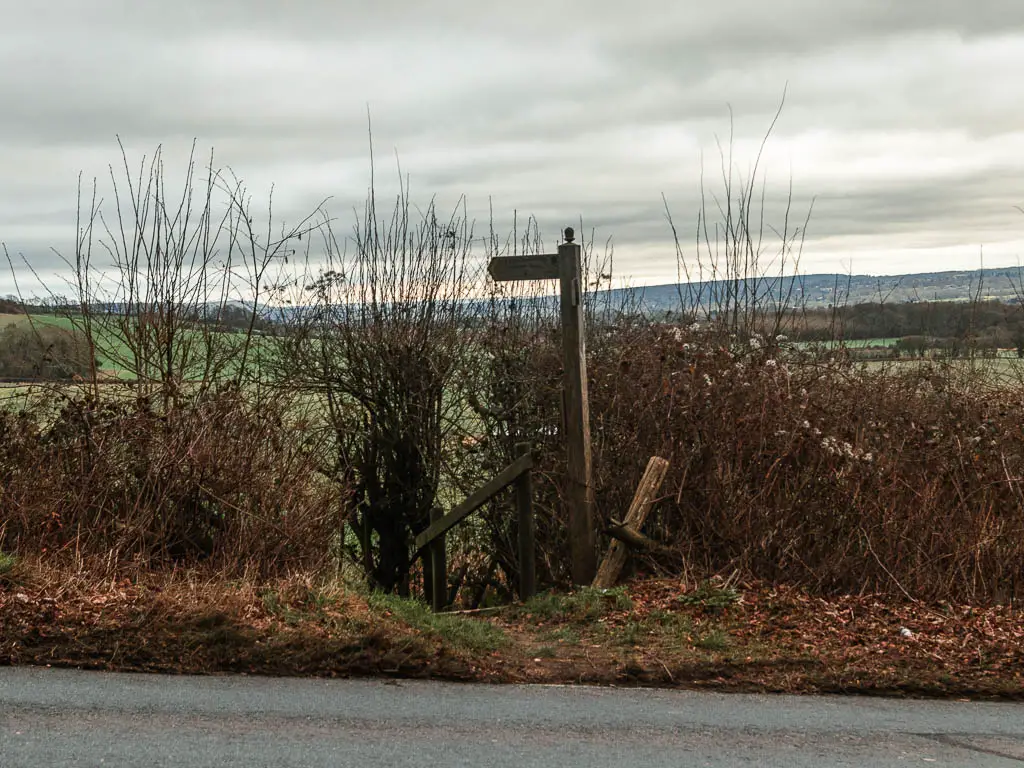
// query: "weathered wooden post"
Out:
[438,567]
[643,500]
[565,266]
[527,530]
[582,529]
[427,558]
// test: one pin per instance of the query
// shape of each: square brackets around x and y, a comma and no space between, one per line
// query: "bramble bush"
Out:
[804,468]
[222,480]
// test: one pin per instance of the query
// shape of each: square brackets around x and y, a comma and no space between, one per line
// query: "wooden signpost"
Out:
[565,266]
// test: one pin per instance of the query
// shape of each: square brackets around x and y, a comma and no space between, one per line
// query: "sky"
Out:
[903,122]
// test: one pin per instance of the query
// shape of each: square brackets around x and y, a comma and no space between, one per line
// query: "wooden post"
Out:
[582,528]
[438,567]
[566,268]
[365,540]
[426,556]
[527,530]
[643,500]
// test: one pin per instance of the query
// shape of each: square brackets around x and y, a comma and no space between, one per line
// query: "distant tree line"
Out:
[9,305]
[931,324]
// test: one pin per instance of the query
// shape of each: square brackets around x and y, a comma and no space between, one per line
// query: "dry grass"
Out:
[761,638]
[195,622]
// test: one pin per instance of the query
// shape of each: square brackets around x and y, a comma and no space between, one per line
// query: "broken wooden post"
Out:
[438,567]
[527,530]
[643,500]
[636,540]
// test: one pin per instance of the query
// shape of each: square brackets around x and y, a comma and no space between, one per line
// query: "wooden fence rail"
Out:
[433,538]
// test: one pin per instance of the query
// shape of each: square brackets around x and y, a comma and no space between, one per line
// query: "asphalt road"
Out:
[67,718]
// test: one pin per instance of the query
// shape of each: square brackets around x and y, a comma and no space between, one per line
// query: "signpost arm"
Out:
[582,528]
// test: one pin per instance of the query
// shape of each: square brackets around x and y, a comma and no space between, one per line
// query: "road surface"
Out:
[67,718]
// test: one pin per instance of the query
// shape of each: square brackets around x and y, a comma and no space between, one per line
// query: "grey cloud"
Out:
[562,110]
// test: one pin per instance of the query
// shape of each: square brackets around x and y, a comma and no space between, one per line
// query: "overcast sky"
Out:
[904,119]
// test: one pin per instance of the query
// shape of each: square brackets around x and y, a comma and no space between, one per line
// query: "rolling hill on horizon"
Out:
[826,289]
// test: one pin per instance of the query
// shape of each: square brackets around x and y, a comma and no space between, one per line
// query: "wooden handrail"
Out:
[435,568]
[477,499]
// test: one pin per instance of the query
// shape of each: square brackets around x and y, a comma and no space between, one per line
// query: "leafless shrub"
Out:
[170,280]
[785,469]
[217,480]
[382,336]
[744,270]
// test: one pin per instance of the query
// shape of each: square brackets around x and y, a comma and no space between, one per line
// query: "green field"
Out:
[880,343]
[113,354]
[1005,370]
[108,343]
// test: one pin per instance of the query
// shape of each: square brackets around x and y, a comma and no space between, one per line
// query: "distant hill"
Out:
[823,290]
[811,291]
[818,291]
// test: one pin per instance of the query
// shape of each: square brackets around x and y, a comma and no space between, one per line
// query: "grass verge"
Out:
[657,633]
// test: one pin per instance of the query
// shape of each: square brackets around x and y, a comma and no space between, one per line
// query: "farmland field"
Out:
[1004,370]
[879,343]
[50,320]
[115,347]
[113,354]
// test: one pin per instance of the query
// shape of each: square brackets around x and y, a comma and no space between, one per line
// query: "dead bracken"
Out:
[655,632]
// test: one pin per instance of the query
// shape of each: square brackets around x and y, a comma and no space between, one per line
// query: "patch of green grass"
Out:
[713,640]
[312,597]
[668,622]
[582,605]
[7,563]
[271,601]
[276,606]
[458,631]
[561,635]
[297,602]
[711,597]
[889,341]
[632,632]
[658,626]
